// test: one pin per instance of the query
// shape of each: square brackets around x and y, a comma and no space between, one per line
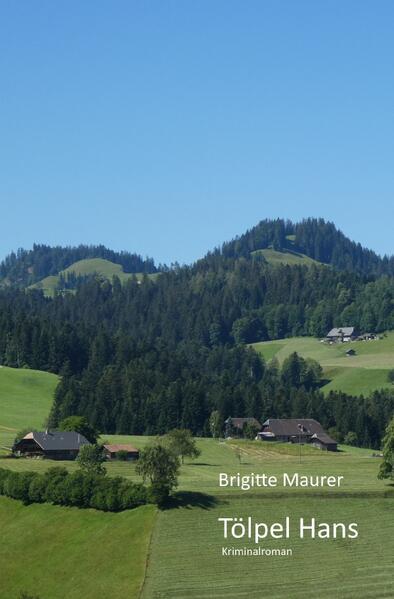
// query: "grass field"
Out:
[89,266]
[176,553]
[362,373]
[66,553]
[25,400]
[289,257]
[185,552]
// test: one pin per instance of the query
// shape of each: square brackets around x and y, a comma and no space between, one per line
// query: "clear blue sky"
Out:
[166,127]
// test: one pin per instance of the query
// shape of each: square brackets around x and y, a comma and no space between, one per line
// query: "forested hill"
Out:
[26,267]
[147,355]
[316,238]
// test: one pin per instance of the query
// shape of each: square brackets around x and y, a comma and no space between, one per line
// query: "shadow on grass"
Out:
[191,499]
[202,464]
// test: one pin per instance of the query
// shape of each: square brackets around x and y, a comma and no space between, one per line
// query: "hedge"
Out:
[58,486]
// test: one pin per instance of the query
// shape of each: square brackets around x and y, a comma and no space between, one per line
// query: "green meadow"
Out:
[66,553]
[360,374]
[185,553]
[25,401]
[289,257]
[176,553]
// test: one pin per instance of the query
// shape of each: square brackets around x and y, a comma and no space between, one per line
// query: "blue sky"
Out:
[167,127]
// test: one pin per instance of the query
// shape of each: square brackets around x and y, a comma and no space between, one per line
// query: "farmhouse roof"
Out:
[338,332]
[292,427]
[121,447]
[240,422]
[58,440]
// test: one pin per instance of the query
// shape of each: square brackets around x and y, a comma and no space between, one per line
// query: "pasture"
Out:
[185,552]
[25,401]
[57,553]
[359,374]
[176,553]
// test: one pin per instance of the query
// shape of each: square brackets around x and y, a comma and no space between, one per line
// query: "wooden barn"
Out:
[53,445]
[111,451]
[324,441]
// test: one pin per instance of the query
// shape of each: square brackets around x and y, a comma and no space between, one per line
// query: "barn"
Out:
[111,451]
[53,445]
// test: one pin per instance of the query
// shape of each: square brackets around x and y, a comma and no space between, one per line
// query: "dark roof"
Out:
[57,440]
[324,438]
[239,422]
[292,427]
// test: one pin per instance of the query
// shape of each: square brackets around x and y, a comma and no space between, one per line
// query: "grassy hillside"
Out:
[25,400]
[176,553]
[186,559]
[58,552]
[185,552]
[91,266]
[289,257]
[362,373]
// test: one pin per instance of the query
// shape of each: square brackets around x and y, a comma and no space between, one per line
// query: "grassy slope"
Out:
[25,400]
[362,373]
[68,553]
[185,559]
[289,257]
[73,552]
[104,268]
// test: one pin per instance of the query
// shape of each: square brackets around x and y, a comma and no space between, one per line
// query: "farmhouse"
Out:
[54,445]
[235,426]
[296,430]
[341,335]
[111,451]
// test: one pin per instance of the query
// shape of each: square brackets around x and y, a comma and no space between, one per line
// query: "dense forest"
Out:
[316,238]
[148,356]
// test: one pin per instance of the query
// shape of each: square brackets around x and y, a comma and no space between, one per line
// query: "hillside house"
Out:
[234,426]
[111,451]
[53,445]
[341,335]
[296,430]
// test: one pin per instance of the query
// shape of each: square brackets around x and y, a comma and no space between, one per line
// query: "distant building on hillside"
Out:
[234,426]
[341,335]
[351,352]
[297,430]
[111,451]
[53,445]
